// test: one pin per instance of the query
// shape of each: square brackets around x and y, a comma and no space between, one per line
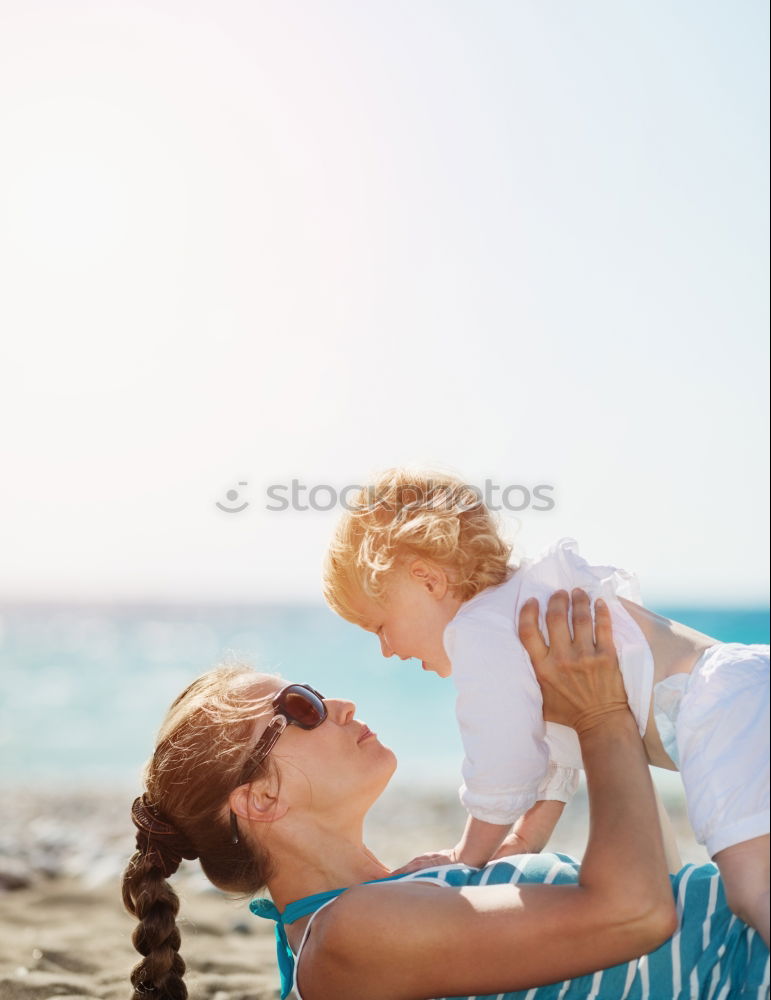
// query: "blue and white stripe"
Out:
[712,955]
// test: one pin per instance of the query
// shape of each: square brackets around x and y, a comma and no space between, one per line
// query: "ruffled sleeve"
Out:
[560,783]
[561,565]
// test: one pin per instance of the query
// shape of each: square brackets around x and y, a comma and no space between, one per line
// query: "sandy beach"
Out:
[63,930]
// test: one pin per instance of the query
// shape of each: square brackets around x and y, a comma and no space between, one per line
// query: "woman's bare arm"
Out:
[402,941]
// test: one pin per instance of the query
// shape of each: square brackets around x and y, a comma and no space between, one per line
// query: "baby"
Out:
[419,562]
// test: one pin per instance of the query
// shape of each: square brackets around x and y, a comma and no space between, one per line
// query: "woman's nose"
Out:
[385,649]
[342,711]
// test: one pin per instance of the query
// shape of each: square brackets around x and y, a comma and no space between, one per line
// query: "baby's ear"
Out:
[430,576]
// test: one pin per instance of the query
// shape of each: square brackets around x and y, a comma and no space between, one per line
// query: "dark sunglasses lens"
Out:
[304,708]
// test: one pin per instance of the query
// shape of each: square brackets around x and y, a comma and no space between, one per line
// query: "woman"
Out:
[264,803]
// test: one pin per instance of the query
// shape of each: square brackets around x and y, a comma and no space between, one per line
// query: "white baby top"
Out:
[513,757]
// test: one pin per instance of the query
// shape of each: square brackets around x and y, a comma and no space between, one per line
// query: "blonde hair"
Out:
[406,513]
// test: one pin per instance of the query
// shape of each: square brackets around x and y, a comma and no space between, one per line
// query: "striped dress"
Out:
[711,956]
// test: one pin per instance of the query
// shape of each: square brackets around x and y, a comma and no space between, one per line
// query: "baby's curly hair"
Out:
[407,513]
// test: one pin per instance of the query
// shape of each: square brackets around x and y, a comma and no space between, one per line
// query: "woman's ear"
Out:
[257,803]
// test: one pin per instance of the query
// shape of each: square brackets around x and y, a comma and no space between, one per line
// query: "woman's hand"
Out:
[579,674]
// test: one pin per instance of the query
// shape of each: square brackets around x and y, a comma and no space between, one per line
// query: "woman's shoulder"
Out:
[374,930]
[369,932]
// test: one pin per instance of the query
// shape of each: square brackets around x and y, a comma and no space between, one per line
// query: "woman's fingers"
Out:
[579,677]
[583,632]
[560,639]
[603,627]
[530,632]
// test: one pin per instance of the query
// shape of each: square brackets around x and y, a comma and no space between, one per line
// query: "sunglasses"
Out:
[295,705]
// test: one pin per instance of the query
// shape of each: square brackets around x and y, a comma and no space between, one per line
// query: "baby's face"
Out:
[410,620]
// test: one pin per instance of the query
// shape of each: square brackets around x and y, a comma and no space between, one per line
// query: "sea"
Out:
[83,689]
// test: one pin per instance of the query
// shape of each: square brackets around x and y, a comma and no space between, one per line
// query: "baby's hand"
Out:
[435,860]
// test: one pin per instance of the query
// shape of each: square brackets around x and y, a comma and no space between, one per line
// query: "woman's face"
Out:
[338,768]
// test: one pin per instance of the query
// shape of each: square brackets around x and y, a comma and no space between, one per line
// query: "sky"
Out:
[251,242]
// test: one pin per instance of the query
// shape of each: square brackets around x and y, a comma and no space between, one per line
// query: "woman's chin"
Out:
[384,770]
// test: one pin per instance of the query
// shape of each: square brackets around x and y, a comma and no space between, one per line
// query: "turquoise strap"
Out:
[295,911]
[264,908]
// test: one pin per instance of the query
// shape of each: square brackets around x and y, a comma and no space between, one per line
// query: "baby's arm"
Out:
[531,833]
[477,845]
[672,851]
[482,842]
[479,842]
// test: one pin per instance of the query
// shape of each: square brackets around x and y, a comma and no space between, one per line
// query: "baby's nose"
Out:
[385,649]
